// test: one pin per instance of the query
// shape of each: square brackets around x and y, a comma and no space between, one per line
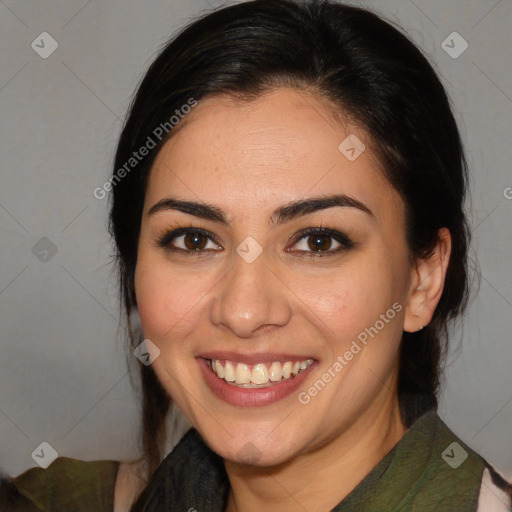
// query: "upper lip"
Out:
[251,359]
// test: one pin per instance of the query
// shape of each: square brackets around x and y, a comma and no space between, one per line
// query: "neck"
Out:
[321,478]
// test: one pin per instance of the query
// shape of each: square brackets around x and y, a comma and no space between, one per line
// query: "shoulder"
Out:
[84,485]
[494,491]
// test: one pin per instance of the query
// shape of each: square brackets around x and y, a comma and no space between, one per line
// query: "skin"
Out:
[128,486]
[249,158]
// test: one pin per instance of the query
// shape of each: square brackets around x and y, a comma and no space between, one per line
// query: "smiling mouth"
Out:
[260,375]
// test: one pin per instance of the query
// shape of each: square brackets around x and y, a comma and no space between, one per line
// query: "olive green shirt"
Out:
[67,485]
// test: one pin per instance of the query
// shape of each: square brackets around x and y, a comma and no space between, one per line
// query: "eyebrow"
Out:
[281,215]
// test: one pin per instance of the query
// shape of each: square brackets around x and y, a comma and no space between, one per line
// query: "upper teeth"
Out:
[259,374]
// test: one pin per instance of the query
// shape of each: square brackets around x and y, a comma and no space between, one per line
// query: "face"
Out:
[289,273]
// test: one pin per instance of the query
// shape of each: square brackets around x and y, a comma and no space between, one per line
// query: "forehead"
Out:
[282,146]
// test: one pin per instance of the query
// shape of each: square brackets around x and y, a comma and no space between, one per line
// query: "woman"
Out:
[288,212]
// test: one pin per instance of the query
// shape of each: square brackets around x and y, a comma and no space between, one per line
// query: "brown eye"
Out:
[191,240]
[195,241]
[315,242]
[319,242]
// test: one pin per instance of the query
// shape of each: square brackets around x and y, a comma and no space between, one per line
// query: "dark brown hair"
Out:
[367,68]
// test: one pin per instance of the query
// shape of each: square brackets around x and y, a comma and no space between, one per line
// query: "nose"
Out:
[251,299]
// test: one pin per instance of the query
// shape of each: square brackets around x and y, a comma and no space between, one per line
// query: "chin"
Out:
[257,446]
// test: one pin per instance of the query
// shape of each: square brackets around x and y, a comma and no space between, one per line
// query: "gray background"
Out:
[63,374]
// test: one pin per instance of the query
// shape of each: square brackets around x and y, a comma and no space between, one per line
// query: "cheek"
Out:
[169,303]
[349,300]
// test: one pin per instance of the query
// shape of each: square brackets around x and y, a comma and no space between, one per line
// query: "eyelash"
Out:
[164,241]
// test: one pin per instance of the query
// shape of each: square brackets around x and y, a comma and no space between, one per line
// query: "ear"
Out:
[427,283]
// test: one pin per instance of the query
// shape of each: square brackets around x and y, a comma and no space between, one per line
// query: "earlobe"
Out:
[427,283]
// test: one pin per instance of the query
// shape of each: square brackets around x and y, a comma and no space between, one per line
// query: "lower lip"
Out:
[250,397]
